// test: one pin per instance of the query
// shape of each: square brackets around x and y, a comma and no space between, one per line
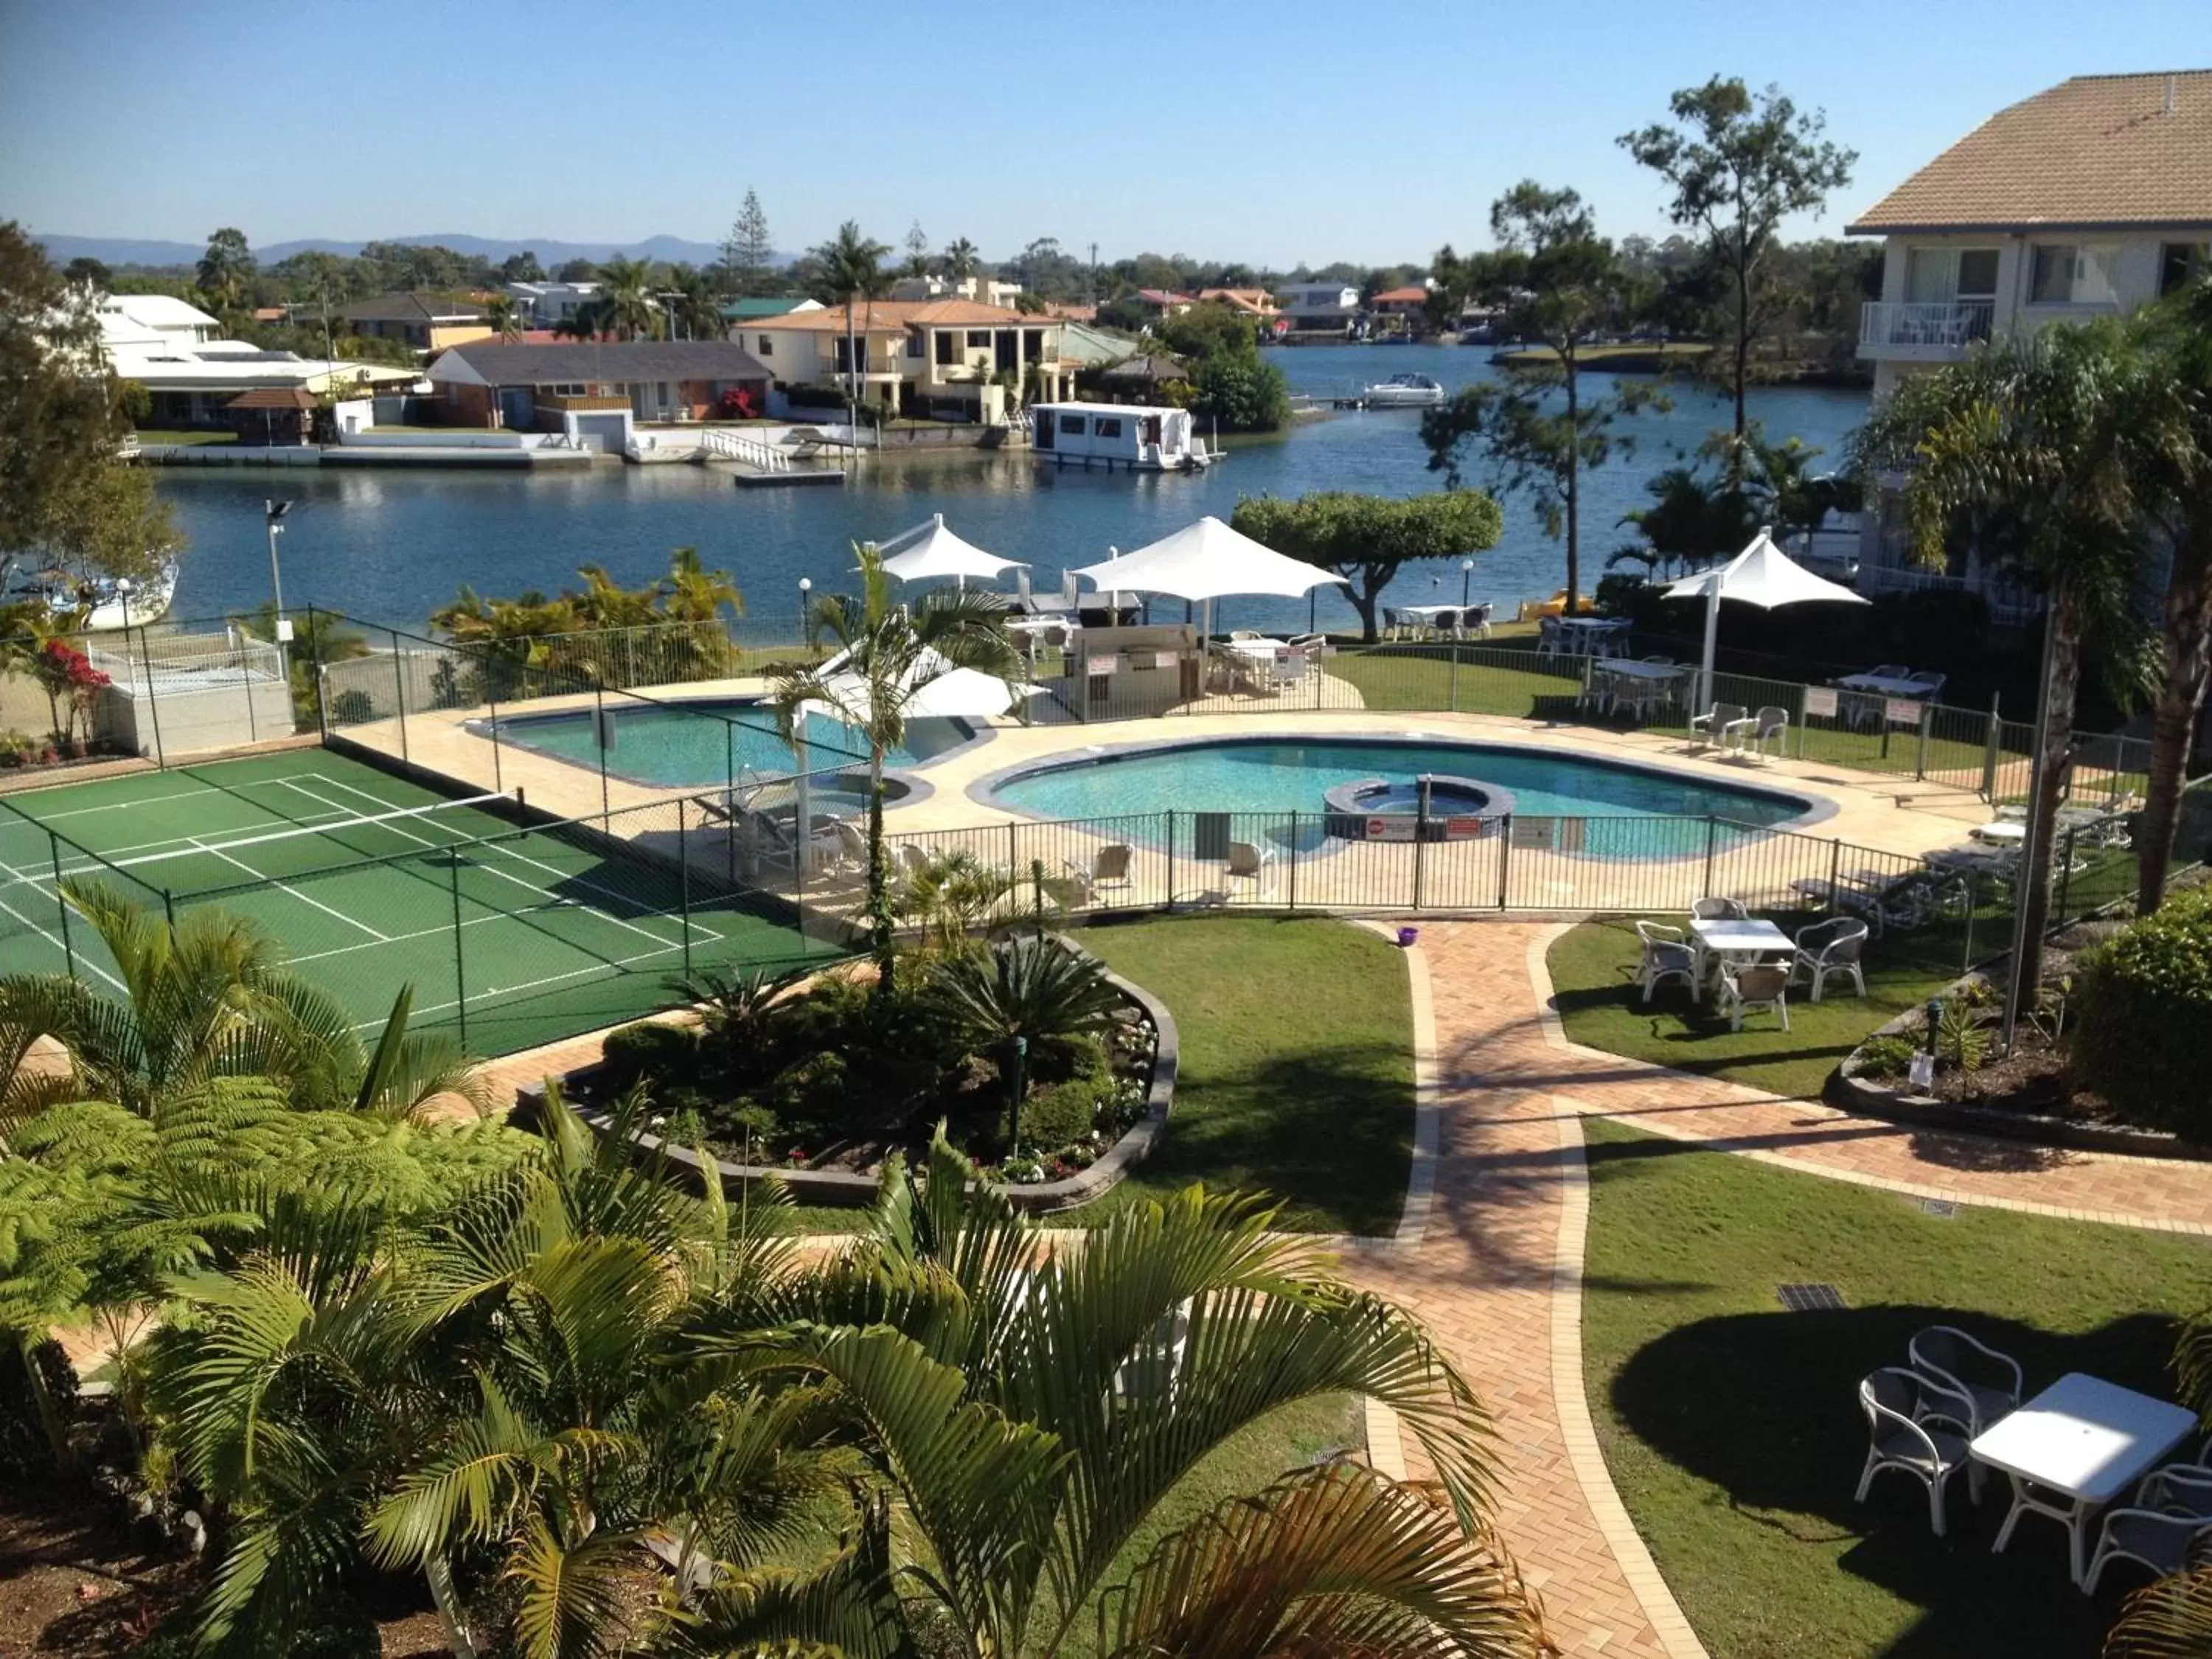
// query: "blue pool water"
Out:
[1276,779]
[701,742]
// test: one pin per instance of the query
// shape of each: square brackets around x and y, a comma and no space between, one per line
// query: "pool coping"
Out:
[982,791]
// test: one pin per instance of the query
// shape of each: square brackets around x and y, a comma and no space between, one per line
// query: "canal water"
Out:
[392,544]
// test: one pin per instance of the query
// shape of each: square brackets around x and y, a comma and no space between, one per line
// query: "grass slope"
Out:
[1732,1430]
[1297,1077]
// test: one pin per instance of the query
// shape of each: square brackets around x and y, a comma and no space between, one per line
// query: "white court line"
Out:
[614,967]
[17,875]
[536,864]
[282,887]
[701,933]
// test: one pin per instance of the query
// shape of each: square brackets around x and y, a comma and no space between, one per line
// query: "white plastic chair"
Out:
[1770,724]
[1832,949]
[1109,872]
[1248,863]
[1718,909]
[1905,1433]
[1715,723]
[1667,954]
[1551,640]
[2159,1532]
[1754,985]
[1475,622]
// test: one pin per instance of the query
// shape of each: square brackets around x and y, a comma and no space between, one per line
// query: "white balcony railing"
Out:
[1951,323]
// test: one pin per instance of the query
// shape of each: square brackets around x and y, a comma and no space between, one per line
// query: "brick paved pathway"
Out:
[1496,1271]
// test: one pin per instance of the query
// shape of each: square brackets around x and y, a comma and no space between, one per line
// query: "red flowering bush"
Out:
[71,683]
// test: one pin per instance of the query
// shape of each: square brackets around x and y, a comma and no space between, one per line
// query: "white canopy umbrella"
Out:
[1762,575]
[937,551]
[939,692]
[1209,561]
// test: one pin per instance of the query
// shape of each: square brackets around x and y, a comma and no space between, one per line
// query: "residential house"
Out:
[548,304]
[937,359]
[1331,307]
[1403,309]
[428,322]
[1159,303]
[273,415]
[2088,199]
[1250,302]
[594,391]
[190,373]
[983,290]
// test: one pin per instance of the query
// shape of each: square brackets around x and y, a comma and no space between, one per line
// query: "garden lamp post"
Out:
[1466,587]
[273,513]
[1014,1108]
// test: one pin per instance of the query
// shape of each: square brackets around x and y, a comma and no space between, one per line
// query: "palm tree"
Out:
[204,999]
[960,258]
[885,653]
[539,1376]
[503,316]
[2050,448]
[695,594]
[852,268]
[1024,1412]
[2180,333]
[593,319]
[952,894]
[697,305]
[629,292]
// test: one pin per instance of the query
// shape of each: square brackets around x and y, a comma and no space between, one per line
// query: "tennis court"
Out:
[517,933]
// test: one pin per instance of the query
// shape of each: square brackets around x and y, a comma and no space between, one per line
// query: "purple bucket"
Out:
[1409,936]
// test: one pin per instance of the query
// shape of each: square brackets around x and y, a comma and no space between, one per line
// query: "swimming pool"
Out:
[1275,777]
[701,742]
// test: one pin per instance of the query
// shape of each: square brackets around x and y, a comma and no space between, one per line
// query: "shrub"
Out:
[1887,1056]
[2142,1017]
[655,1055]
[25,1450]
[1063,1113]
[351,708]
[1962,1037]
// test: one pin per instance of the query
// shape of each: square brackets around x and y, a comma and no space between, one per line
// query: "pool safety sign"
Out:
[1462,828]
[1392,826]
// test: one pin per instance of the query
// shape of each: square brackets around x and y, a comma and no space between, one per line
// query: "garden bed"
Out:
[1120,1084]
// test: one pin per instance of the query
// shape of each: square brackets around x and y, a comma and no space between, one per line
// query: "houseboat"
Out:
[1136,437]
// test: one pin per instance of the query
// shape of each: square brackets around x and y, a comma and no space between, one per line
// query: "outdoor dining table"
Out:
[1258,650]
[1596,637]
[1640,683]
[2083,1440]
[1725,938]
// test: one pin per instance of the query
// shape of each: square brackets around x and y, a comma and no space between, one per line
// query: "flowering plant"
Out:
[71,683]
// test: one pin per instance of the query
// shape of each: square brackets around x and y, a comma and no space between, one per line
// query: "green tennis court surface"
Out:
[518,935]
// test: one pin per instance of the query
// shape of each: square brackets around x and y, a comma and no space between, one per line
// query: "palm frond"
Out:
[2169,1620]
[573,1596]
[1338,1561]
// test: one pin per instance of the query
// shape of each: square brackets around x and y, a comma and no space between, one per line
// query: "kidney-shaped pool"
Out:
[1279,777]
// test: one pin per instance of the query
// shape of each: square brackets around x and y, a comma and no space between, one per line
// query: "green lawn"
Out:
[1420,679]
[1297,1073]
[1590,966]
[188,437]
[1731,1428]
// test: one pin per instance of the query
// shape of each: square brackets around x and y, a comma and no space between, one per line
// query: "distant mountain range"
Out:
[131,250]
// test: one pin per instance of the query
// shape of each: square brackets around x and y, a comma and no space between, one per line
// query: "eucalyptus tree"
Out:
[1739,164]
[884,654]
[1560,285]
[1024,1412]
[2050,450]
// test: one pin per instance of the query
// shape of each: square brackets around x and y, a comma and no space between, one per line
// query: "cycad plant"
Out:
[205,998]
[884,654]
[1023,1412]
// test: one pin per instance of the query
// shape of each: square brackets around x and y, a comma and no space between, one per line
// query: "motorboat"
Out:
[99,604]
[1405,392]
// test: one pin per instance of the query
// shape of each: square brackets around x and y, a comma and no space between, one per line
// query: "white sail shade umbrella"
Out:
[937,691]
[1209,561]
[932,551]
[1762,575]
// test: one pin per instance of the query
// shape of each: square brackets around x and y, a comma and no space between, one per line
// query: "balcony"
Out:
[1922,331]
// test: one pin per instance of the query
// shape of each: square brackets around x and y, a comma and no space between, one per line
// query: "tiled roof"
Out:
[412,308]
[273,396]
[502,363]
[886,315]
[755,308]
[2095,151]
[1403,296]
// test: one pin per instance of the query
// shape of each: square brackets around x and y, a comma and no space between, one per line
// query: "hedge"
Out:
[2142,1017]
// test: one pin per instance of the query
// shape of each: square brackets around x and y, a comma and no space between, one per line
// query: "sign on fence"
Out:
[1820,702]
[1901,711]
[1105,665]
[1392,826]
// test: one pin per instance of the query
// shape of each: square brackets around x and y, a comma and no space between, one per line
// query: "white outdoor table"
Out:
[1258,650]
[1595,636]
[1727,937]
[1628,668]
[1886,686]
[2001,834]
[2083,1440]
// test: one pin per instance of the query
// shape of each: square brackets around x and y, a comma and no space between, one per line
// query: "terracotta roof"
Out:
[1255,300]
[2096,151]
[273,396]
[1403,296]
[1161,296]
[886,315]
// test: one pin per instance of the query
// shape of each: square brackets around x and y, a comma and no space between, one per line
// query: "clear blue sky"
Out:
[1370,131]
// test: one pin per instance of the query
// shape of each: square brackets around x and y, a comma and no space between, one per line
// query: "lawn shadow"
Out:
[1963,1151]
[1764,1406]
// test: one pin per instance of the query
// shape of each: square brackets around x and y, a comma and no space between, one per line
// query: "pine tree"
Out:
[917,250]
[745,253]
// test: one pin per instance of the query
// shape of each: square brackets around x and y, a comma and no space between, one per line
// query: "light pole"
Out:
[273,512]
[1466,587]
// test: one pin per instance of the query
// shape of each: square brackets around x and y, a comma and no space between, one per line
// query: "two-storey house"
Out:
[2088,199]
[937,359]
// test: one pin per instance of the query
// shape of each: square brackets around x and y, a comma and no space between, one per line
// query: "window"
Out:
[2180,264]
[661,393]
[1072,424]
[567,388]
[948,347]
[768,345]
[1107,425]
[914,348]
[979,337]
[2067,274]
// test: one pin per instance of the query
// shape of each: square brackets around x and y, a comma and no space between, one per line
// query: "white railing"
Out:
[741,446]
[1944,323]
